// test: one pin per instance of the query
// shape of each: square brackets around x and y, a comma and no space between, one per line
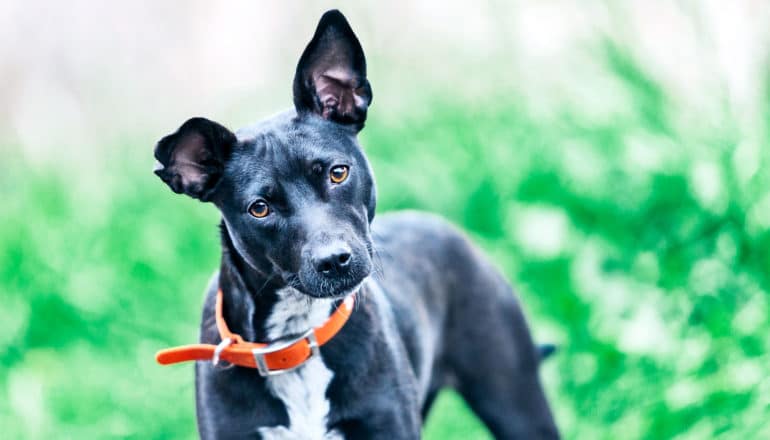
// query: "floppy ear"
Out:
[191,161]
[331,74]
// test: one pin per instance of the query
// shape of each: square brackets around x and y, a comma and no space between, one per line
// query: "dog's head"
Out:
[296,192]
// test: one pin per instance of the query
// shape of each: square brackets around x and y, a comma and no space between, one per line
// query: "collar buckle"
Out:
[260,353]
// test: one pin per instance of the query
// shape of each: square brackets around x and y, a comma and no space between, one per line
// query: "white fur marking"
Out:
[302,391]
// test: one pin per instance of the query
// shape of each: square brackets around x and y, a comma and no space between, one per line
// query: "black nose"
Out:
[332,261]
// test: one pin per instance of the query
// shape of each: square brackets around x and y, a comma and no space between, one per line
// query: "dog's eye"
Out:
[259,209]
[338,174]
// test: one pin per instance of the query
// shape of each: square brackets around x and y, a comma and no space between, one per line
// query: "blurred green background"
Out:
[611,157]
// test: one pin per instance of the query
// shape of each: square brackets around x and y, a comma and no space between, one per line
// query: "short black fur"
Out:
[432,311]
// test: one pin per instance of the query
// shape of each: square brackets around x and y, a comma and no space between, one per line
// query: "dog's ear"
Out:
[331,74]
[192,159]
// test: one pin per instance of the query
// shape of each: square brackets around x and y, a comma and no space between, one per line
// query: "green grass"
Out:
[638,245]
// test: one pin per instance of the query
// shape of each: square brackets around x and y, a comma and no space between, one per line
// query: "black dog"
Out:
[297,198]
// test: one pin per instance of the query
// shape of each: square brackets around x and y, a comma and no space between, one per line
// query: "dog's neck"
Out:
[262,308]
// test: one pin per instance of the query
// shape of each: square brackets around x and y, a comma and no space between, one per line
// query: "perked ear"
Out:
[191,161]
[331,74]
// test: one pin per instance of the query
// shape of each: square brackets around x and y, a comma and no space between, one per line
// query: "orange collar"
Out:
[268,359]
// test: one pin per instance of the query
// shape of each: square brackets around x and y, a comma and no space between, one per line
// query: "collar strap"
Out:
[268,359]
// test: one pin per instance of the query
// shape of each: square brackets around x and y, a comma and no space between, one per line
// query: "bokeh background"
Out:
[612,158]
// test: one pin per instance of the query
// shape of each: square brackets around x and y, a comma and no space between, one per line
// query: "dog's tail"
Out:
[545,351]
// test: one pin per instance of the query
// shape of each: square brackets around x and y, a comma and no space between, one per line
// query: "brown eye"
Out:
[338,174]
[259,209]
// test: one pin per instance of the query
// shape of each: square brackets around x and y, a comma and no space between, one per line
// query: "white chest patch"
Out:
[302,391]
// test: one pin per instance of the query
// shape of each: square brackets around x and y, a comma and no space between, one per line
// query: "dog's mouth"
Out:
[321,287]
[337,293]
[328,289]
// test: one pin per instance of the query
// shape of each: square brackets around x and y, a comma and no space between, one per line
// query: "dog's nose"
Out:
[332,260]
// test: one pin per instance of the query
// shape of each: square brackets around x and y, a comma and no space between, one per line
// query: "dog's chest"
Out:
[302,391]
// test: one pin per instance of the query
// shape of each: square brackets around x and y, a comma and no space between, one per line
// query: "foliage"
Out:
[638,244]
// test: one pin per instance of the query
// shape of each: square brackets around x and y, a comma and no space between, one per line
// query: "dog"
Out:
[322,322]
